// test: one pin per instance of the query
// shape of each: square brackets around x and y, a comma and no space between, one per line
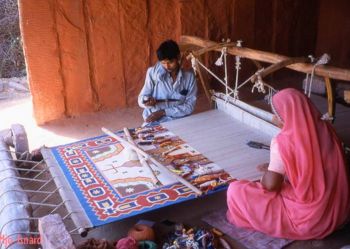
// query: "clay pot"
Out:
[141,232]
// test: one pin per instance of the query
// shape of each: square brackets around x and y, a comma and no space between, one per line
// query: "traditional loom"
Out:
[309,65]
[95,181]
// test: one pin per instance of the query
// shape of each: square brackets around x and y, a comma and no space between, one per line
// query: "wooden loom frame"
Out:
[28,187]
[198,46]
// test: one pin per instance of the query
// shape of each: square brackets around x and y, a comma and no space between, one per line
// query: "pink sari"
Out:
[315,200]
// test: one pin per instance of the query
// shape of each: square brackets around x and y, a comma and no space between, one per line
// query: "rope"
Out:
[324,59]
[326,117]
[193,63]
[259,84]
[237,67]
[226,75]
[213,74]
[219,62]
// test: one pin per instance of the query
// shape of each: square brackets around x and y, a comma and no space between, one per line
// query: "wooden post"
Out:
[330,98]
[203,83]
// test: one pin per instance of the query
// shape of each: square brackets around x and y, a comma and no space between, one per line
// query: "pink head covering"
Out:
[313,159]
[314,201]
[308,145]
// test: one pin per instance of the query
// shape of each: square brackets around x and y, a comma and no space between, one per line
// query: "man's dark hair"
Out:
[168,50]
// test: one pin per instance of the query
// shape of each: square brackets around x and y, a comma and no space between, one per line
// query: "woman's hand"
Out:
[272,181]
[262,167]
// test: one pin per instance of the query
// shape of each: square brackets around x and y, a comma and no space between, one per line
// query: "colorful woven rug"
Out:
[111,184]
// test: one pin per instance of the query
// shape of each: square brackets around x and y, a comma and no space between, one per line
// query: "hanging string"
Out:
[219,62]
[324,59]
[326,117]
[213,74]
[193,63]
[237,67]
[259,84]
[268,98]
[226,74]
[306,83]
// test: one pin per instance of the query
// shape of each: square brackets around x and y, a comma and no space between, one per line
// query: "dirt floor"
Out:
[66,130]
[19,110]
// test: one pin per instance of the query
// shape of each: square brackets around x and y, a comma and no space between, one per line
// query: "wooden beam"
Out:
[274,67]
[323,71]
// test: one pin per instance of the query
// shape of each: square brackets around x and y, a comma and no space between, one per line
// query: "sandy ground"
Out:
[19,111]
[65,130]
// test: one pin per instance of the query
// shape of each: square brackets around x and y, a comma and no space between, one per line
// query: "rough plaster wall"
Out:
[244,29]
[219,19]
[193,18]
[163,24]
[303,34]
[334,31]
[87,55]
[294,27]
[72,44]
[135,45]
[263,25]
[42,56]
[105,53]
[244,19]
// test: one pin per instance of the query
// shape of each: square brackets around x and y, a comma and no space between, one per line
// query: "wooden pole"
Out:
[154,161]
[142,160]
[203,83]
[274,67]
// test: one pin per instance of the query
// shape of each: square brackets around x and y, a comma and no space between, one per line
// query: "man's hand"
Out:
[150,101]
[155,116]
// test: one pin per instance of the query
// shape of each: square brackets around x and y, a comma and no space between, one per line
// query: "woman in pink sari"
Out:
[304,194]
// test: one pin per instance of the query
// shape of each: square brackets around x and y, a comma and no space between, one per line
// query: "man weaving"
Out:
[169,92]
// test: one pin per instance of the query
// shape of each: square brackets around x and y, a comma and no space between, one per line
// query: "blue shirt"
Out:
[160,85]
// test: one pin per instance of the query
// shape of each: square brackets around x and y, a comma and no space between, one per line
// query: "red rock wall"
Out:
[87,55]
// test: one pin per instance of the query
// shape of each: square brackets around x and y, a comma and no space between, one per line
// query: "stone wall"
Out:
[13,88]
[87,55]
